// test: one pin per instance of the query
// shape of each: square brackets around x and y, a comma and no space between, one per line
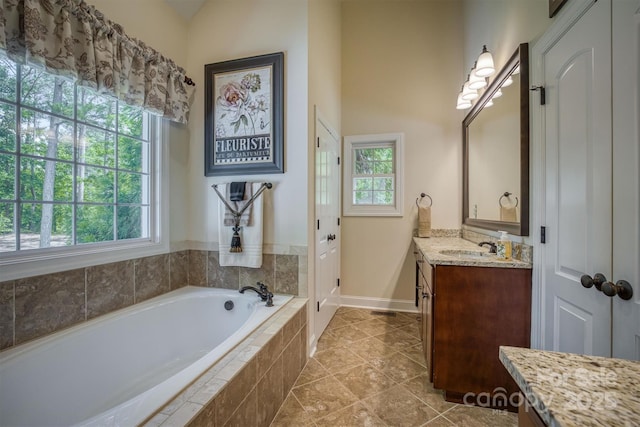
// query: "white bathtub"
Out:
[120,368]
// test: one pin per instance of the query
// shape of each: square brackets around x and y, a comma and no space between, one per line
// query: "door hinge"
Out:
[318,306]
[338,221]
[543,97]
[543,234]
[318,139]
[338,159]
[338,282]
[318,224]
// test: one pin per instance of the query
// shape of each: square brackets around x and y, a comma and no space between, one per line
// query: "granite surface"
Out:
[576,390]
[470,253]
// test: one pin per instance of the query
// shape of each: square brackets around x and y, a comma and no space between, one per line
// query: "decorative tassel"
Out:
[236,246]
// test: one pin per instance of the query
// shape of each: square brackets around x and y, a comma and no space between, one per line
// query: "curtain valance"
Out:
[72,39]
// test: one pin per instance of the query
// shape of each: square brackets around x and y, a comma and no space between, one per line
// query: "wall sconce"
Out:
[468,94]
[485,67]
[462,104]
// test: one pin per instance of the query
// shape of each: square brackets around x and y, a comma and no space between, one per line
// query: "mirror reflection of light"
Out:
[489,103]
[498,94]
[507,82]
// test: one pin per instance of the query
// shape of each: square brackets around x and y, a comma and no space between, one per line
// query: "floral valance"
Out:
[72,39]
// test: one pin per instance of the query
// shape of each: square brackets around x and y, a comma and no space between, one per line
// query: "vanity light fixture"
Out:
[462,104]
[468,94]
[507,82]
[475,81]
[498,94]
[485,67]
[489,103]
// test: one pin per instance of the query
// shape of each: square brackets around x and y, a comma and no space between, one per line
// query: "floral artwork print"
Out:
[243,116]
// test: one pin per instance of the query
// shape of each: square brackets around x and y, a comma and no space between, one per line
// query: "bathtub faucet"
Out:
[263,291]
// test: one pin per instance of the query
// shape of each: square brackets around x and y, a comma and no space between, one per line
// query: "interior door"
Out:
[327,175]
[578,211]
[626,176]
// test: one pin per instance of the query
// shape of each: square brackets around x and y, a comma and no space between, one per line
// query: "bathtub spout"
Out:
[263,291]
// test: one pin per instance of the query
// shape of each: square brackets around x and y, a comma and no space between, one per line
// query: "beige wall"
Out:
[324,93]
[501,25]
[224,30]
[399,74]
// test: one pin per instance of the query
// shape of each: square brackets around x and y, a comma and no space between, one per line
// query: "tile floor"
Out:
[369,370]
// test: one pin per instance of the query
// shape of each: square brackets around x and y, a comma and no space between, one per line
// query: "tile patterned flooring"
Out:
[369,370]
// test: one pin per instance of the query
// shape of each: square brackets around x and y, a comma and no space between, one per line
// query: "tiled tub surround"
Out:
[576,390]
[36,306]
[431,248]
[122,367]
[247,387]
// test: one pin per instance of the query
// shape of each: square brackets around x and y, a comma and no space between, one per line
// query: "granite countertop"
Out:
[576,390]
[431,249]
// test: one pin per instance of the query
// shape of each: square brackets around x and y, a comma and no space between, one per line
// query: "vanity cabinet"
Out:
[466,313]
[476,310]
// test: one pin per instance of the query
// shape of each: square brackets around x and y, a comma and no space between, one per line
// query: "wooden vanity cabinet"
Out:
[424,299]
[475,311]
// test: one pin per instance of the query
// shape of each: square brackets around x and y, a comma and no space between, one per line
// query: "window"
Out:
[373,175]
[76,168]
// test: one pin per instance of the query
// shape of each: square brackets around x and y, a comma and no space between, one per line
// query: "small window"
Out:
[373,175]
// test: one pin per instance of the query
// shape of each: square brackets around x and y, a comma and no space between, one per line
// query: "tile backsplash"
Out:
[36,306]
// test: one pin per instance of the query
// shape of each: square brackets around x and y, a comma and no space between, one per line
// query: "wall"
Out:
[324,93]
[224,30]
[399,63]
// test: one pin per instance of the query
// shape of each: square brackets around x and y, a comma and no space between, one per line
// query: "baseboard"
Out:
[378,303]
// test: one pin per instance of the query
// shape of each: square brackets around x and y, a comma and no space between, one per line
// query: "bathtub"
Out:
[118,369]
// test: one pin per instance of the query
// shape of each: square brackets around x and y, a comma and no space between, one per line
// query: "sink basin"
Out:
[466,254]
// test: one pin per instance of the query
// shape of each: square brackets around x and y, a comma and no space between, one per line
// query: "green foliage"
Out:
[87,169]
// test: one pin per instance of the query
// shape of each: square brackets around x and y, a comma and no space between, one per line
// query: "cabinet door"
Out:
[427,317]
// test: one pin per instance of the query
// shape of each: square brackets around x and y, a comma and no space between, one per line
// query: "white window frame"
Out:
[365,141]
[34,262]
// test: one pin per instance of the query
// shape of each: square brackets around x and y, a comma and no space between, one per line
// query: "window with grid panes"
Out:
[75,166]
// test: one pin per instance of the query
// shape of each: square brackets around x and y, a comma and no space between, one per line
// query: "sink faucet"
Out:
[492,247]
[262,290]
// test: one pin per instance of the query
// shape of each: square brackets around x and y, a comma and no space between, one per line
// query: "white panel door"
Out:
[626,176]
[327,173]
[577,72]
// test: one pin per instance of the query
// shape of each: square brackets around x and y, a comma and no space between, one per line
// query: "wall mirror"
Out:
[495,135]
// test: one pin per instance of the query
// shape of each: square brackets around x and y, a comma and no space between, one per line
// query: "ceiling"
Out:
[185,8]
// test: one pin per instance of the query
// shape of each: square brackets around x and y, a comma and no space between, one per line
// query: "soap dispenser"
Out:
[503,247]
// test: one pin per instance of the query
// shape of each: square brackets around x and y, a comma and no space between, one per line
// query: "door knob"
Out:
[622,288]
[331,237]
[597,280]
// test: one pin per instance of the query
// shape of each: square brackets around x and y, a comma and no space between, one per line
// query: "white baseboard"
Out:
[378,303]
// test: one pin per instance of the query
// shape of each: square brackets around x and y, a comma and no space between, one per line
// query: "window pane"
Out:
[8,78]
[47,92]
[130,187]
[94,224]
[95,186]
[44,225]
[364,154]
[7,176]
[383,184]
[45,180]
[96,147]
[46,136]
[7,236]
[383,197]
[383,168]
[362,183]
[131,220]
[133,154]
[132,121]
[7,127]
[383,154]
[96,109]
[362,197]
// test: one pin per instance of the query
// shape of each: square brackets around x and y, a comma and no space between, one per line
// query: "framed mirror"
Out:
[495,136]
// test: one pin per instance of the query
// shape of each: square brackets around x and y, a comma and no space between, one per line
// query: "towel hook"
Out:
[507,194]
[422,196]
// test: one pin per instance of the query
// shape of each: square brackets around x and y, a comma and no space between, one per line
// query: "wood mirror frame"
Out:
[519,58]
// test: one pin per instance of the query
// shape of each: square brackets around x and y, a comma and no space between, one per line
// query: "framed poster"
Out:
[244,116]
